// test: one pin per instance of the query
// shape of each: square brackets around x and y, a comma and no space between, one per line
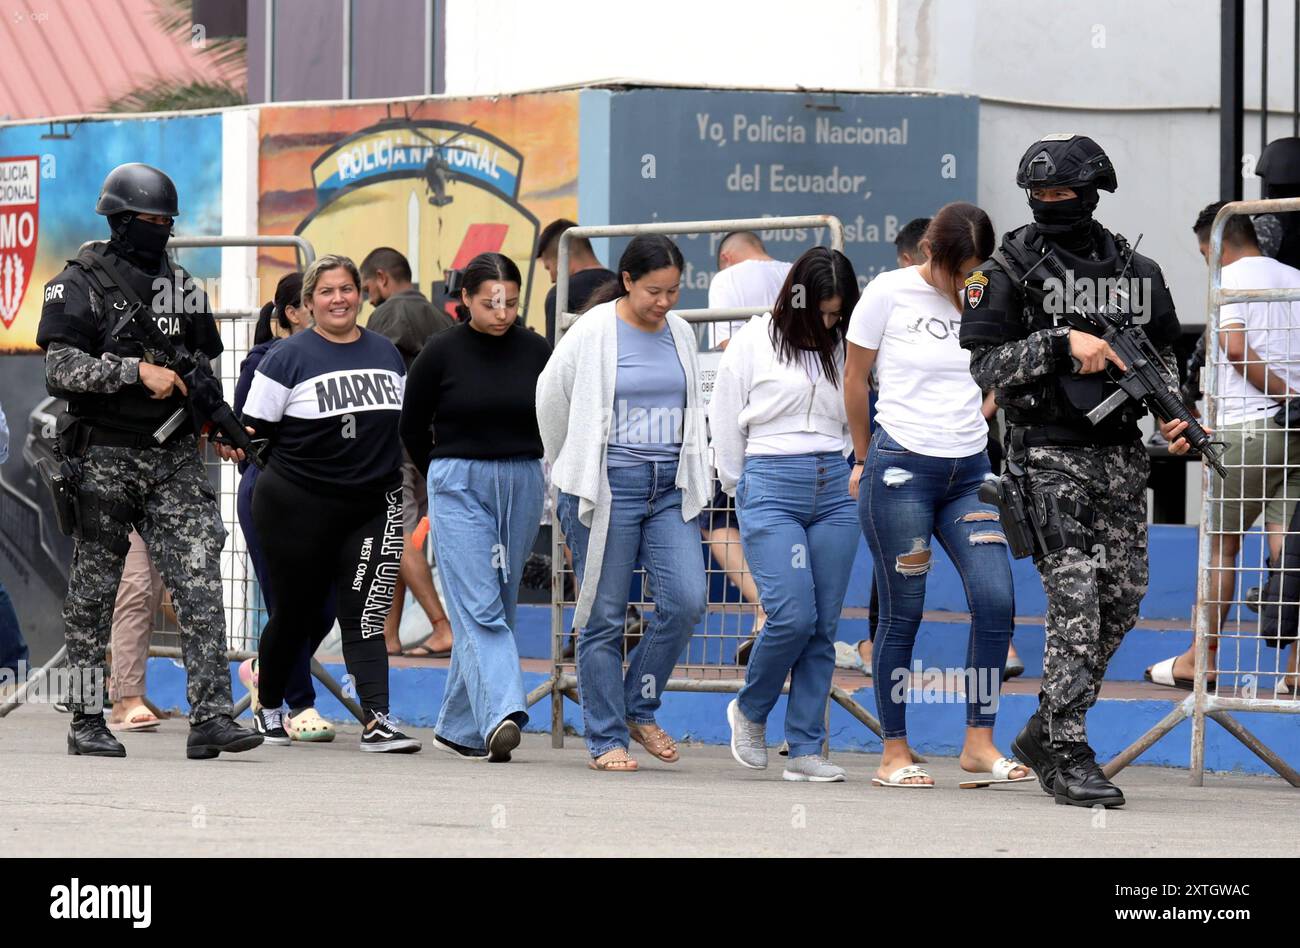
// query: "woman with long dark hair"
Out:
[468,422]
[780,436]
[623,425]
[920,479]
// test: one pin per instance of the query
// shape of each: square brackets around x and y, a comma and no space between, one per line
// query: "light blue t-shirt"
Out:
[649,398]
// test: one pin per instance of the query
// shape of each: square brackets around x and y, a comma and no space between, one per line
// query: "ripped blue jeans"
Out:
[904,500]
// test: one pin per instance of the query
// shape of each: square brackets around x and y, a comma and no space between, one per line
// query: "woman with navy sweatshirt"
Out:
[780,437]
[328,506]
[285,316]
[468,422]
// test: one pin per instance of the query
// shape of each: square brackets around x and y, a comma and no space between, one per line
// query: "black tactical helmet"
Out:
[1065,161]
[139,188]
[1280,162]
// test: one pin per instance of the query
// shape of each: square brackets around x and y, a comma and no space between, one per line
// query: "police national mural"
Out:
[50,176]
[440,181]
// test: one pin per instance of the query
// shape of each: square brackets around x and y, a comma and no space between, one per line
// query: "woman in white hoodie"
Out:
[621,420]
[780,438]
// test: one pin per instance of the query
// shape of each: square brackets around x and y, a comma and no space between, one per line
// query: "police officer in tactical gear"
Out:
[1279,169]
[1087,481]
[129,444]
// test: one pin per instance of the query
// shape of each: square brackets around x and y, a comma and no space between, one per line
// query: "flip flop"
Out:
[1162,673]
[848,655]
[139,719]
[1013,669]
[902,773]
[1002,768]
[423,651]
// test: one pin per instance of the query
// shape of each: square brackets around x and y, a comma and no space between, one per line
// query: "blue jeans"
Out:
[298,691]
[645,523]
[13,649]
[483,517]
[799,529]
[903,499]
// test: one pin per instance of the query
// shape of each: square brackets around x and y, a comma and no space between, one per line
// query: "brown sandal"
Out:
[616,761]
[656,740]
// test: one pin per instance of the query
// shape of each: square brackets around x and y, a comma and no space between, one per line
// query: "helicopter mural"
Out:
[441,192]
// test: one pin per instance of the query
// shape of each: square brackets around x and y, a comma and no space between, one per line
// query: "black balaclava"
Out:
[1068,223]
[139,241]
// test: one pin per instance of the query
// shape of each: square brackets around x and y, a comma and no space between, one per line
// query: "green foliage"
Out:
[229,56]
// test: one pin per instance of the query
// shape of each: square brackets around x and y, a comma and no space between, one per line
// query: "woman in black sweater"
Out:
[469,418]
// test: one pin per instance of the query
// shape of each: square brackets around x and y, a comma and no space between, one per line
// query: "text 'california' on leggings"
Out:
[299,693]
[315,543]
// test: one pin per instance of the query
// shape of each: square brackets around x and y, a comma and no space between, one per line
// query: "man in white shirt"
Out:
[1258,366]
[746,276]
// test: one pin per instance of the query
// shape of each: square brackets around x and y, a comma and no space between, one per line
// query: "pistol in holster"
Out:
[79,511]
[1034,523]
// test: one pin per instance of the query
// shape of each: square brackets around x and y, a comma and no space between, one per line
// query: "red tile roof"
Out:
[67,57]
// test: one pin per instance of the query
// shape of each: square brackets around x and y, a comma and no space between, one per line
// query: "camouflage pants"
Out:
[179,522]
[1092,595]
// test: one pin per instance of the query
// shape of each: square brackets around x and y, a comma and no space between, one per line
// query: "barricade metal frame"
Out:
[729,677]
[1208,699]
[234,577]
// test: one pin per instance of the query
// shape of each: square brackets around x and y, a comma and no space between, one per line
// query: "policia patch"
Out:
[975,284]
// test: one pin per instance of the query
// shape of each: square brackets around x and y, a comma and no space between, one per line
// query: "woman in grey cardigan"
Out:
[622,424]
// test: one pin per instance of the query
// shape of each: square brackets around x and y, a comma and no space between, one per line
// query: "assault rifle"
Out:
[205,398]
[1142,380]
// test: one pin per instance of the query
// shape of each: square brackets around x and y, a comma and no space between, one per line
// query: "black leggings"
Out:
[314,542]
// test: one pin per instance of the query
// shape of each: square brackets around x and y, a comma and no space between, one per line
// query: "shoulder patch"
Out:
[975,284]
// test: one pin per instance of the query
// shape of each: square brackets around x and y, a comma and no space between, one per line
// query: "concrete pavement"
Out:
[332,800]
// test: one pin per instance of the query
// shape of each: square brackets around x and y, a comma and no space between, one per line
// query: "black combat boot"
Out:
[1032,747]
[211,737]
[90,737]
[1079,781]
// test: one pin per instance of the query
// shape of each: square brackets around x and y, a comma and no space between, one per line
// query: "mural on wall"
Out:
[50,176]
[441,181]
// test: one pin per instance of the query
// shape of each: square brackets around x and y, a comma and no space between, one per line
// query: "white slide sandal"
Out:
[1002,769]
[902,773]
[1162,673]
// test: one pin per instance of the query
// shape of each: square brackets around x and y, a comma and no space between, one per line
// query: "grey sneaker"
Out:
[812,768]
[748,740]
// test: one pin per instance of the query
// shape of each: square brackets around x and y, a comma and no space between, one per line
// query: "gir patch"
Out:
[975,284]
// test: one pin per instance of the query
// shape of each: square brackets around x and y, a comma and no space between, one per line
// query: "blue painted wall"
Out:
[678,154]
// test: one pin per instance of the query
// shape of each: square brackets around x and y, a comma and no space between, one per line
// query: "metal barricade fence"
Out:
[1234,594]
[733,619]
[244,608]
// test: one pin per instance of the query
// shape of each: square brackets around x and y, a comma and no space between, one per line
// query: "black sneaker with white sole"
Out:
[459,750]
[270,724]
[504,738]
[381,736]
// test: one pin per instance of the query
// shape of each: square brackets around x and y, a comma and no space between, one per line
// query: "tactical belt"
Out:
[1047,436]
[111,438]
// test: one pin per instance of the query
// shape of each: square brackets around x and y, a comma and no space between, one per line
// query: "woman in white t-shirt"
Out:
[920,479]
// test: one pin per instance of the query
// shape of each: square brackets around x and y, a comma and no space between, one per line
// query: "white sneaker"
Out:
[813,769]
[748,740]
